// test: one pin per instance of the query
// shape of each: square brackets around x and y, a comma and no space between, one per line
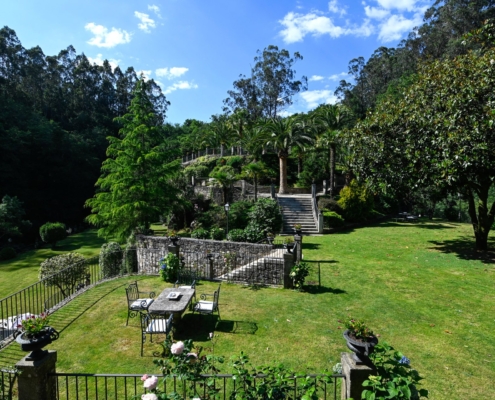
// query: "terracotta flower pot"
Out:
[361,349]
[36,343]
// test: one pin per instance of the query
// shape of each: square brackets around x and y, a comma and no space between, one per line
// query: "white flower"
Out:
[149,396]
[151,383]
[177,348]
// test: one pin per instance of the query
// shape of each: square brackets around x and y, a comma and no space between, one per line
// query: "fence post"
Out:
[320,221]
[313,190]
[288,264]
[174,249]
[298,252]
[210,265]
[355,375]
[33,382]
[272,190]
[325,187]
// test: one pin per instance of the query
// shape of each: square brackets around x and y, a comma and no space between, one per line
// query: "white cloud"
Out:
[297,26]
[395,26]
[316,78]
[333,7]
[409,5]
[107,38]
[180,85]
[98,60]
[171,73]
[313,98]
[146,21]
[338,77]
[155,9]
[376,13]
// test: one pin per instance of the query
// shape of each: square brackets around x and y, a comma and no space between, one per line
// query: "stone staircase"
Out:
[297,209]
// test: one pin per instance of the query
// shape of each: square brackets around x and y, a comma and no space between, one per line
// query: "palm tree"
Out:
[221,132]
[224,177]
[284,134]
[254,171]
[329,119]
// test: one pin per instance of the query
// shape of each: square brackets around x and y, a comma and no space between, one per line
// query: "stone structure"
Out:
[33,382]
[355,375]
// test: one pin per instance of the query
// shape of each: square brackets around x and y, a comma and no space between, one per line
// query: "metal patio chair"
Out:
[154,324]
[137,302]
[208,306]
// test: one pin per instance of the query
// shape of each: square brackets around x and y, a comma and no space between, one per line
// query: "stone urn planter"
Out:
[361,348]
[35,344]
[174,240]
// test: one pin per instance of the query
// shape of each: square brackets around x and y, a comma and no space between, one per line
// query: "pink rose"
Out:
[177,348]
[151,383]
[144,377]
[149,396]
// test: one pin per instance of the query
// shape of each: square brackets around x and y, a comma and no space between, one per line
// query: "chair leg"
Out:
[127,322]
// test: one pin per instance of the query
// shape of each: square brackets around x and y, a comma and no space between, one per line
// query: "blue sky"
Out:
[196,49]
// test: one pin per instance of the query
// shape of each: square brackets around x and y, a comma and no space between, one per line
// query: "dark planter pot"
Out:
[298,232]
[35,344]
[360,348]
[174,240]
[289,248]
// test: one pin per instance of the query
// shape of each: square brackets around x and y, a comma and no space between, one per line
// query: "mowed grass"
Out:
[23,271]
[419,286]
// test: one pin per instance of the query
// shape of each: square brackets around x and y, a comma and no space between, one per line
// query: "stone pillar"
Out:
[298,248]
[174,249]
[325,187]
[33,382]
[288,264]
[320,221]
[272,190]
[193,180]
[243,188]
[210,265]
[355,375]
[313,190]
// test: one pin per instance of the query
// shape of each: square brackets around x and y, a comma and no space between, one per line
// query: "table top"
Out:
[164,305]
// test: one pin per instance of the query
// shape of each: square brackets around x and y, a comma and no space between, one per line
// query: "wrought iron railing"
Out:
[126,386]
[47,294]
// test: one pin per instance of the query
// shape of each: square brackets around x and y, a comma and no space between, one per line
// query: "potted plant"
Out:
[172,235]
[270,237]
[289,244]
[34,333]
[360,339]
[298,228]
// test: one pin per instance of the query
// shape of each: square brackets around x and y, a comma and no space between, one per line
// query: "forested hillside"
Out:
[55,115]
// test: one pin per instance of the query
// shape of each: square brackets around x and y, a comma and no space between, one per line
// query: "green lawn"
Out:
[23,270]
[419,286]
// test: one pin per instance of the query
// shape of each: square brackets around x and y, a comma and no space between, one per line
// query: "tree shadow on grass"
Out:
[464,248]
[315,289]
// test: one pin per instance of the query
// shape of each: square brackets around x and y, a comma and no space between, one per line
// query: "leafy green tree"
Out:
[134,186]
[11,217]
[65,271]
[255,171]
[270,88]
[440,132]
[53,232]
[265,216]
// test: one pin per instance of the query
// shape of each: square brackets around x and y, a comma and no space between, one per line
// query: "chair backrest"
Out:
[188,277]
[132,292]
[216,295]
[148,319]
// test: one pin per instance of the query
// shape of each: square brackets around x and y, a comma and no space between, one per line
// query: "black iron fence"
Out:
[8,379]
[129,386]
[47,294]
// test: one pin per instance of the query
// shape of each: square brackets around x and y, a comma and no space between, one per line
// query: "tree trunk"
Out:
[282,157]
[332,168]
[255,188]
[482,220]
[221,150]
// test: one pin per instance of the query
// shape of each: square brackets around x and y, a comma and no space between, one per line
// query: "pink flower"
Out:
[151,383]
[177,348]
[144,377]
[149,396]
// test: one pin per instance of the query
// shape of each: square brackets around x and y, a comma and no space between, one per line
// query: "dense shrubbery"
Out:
[356,202]
[169,267]
[329,204]
[217,233]
[110,259]
[236,235]
[253,233]
[332,219]
[265,216]
[200,233]
[239,214]
[52,232]
[7,253]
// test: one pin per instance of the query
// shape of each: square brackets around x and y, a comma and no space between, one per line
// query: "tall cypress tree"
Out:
[135,186]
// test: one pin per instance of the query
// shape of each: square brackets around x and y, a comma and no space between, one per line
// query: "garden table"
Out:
[164,305]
